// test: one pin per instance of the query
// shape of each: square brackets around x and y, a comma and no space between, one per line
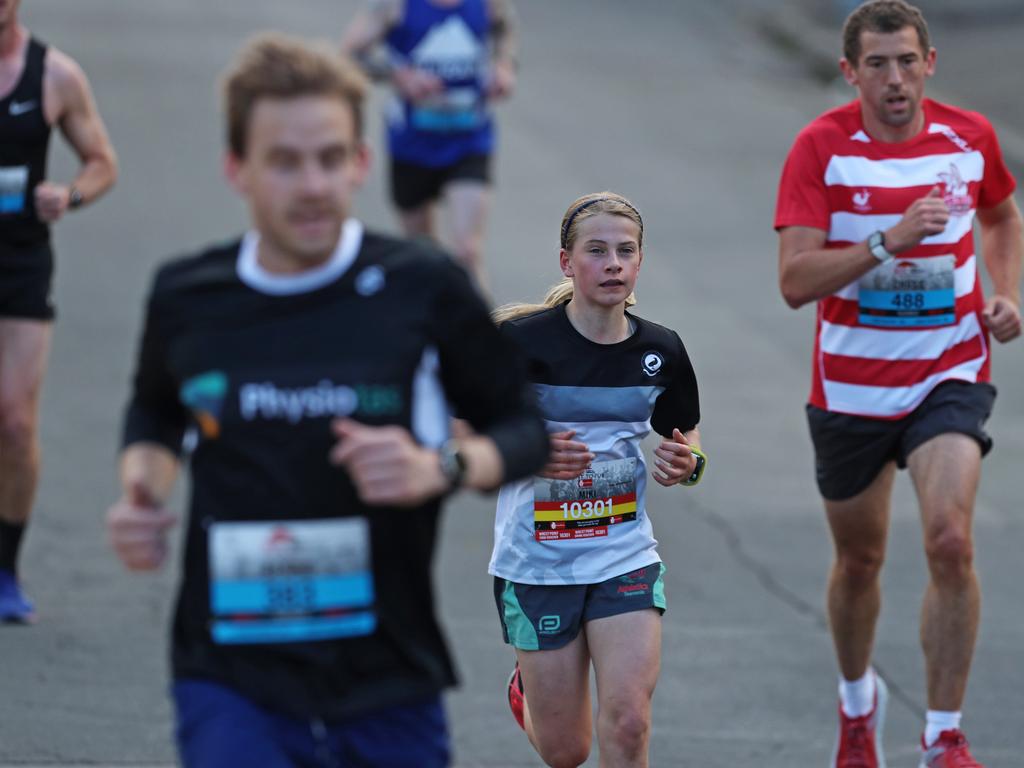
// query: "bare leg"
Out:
[468,203]
[557,715]
[946,471]
[859,531]
[418,222]
[627,657]
[24,349]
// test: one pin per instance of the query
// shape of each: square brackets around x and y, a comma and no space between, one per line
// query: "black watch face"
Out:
[452,465]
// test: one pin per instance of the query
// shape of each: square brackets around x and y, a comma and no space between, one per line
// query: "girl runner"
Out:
[577,575]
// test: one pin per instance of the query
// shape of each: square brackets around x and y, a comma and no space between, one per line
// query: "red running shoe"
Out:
[950,750]
[859,743]
[516,697]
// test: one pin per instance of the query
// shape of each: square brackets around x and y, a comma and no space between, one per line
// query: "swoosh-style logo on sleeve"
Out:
[21,107]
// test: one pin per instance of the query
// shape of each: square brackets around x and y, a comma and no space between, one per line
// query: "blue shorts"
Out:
[219,728]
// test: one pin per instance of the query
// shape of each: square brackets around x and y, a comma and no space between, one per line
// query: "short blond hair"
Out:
[277,66]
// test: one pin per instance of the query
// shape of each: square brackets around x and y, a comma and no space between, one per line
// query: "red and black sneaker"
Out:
[950,750]
[516,697]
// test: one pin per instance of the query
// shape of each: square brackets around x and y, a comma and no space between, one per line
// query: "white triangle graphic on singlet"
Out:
[448,46]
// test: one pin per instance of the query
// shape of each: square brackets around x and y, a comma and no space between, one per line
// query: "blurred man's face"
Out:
[890,77]
[302,165]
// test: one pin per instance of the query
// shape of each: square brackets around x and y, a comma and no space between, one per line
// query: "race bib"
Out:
[456,109]
[13,183]
[909,293]
[286,582]
[586,506]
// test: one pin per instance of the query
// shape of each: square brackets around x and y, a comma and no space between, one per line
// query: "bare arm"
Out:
[368,28]
[361,40]
[567,458]
[673,460]
[504,47]
[504,29]
[70,104]
[808,271]
[137,523]
[150,468]
[1002,240]
[485,469]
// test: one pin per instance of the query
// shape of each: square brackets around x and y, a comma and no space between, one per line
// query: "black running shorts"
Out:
[850,451]
[26,280]
[415,185]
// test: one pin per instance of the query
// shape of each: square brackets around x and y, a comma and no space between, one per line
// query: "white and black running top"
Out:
[593,527]
[294,592]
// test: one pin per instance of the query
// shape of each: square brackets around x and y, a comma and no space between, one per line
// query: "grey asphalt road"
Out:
[685,108]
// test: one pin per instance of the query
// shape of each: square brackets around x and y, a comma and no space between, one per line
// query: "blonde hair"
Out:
[276,66]
[582,208]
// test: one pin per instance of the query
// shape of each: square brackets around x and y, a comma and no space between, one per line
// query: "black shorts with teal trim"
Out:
[542,617]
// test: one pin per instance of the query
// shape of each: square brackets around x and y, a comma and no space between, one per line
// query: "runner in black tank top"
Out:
[24,141]
[39,87]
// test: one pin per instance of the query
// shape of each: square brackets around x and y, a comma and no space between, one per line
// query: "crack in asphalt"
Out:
[774,587]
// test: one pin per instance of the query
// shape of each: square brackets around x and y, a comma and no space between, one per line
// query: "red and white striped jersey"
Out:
[885,341]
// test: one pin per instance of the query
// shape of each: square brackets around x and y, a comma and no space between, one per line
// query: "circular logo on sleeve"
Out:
[652,362]
[370,281]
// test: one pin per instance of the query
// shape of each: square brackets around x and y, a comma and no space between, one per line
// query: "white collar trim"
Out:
[259,279]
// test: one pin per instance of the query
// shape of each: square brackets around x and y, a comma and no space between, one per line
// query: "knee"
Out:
[950,553]
[566,755]
[17,425]
[859,570]
[629,729]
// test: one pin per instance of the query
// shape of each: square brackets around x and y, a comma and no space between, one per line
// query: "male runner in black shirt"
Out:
[40,87]
[316,361]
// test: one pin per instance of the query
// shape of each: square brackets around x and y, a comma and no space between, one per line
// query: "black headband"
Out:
[583,206]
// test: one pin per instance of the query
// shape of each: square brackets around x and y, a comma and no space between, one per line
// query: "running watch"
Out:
[698,471]
[876,244]
[453,464]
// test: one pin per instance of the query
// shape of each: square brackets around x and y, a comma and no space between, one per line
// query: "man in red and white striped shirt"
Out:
[875,218]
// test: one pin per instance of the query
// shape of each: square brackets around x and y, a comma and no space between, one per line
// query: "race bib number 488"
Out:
[909,293]
[586,506]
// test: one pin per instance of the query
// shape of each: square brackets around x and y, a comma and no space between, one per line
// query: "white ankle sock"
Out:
[936,722]
[858,696]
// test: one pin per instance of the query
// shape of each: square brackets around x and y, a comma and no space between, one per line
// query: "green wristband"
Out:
[698,471]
